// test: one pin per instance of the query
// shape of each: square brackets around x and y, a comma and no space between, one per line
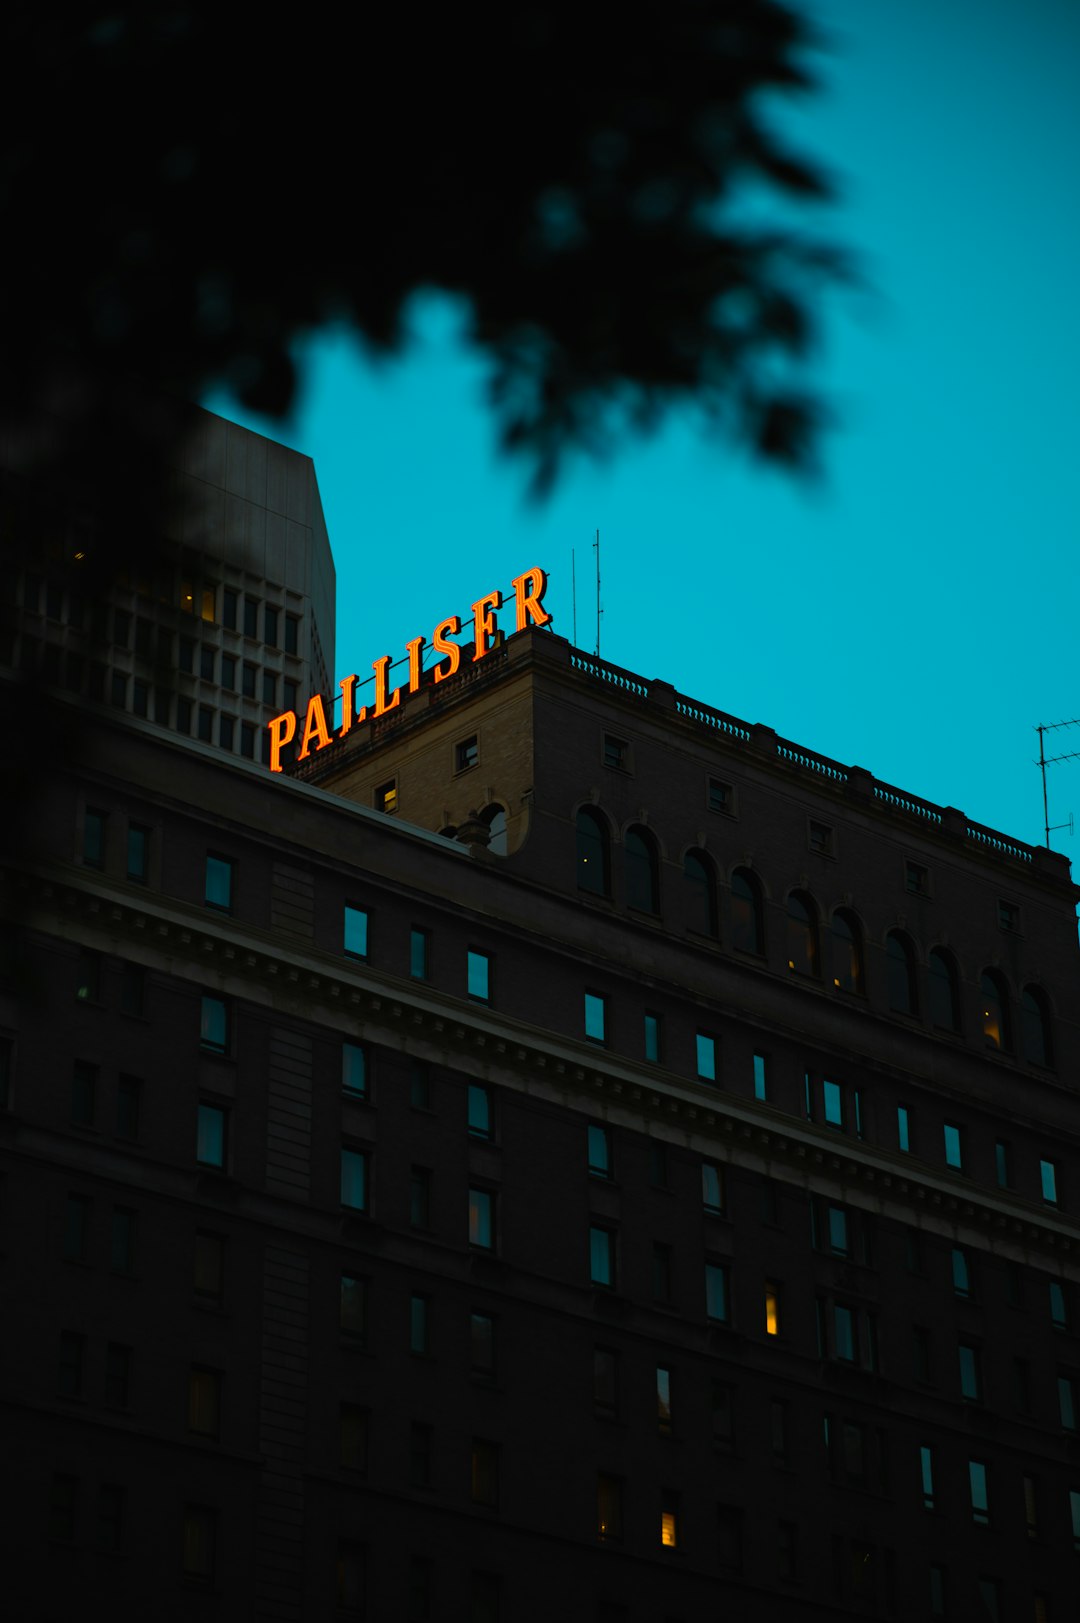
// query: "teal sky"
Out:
[913,613]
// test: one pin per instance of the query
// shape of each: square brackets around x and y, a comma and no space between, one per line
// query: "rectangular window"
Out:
[420,1198]
[292,634]
[658,1164]
[183,716]
[269,688]
[76,1228]
[355,935]
[206,661]
[1008,916]
[199,1546]
[833,1098]
[980,1503]
[228,608]
[251,616]
[954,1154]
[723,1414]
[720,796]
[270,626]
[479,976]
[821,838]
[729,1539]
[706,1056]
[128,1090]
[204,1402]
[354,1180]
[219,883]
[1001,1164]
[353,1437]
[352,1307]
[772,1309]
[599,1151]
[83,1089]
[482,1219]
[1074,1516]
[94,838]
[778,1428]
[63,1498]
[616,752]
[418,954]
[716,1292]
[761,1090]
[652,1038]
[228,673]
[70,1370]
[1031,1507]
[247,740]
[138,852]
[140,698]
[122,1250]
[481,1121]
[420,1462]
[110,1527]
[926,1467]
[961,1273]
[119,689]
[669,1520]
[226,732]
[602,1257]
[354,1070]
[419,1085]
[210,1136]
[836,1228]
[1067,1402]
[712,1187]
[844,1338]
[386,797]
[1059,1313]
[663,1399]
[970,1383]
[937,1591]
[605,1382]
[248,677]
[609,1509]
[661,1272]
[466,754]
[209,1269]
[482,1345]
[418,1325]
[132,987]
[916,878]
[595,1017]
[88,977]
[1048,1182]
[485,1473]
[214,1024]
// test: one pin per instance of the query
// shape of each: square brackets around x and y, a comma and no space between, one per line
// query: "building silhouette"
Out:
[553,1147]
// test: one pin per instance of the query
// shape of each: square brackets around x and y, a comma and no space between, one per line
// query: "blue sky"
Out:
[914,612]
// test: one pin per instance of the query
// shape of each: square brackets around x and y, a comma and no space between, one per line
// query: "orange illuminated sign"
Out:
[317,732]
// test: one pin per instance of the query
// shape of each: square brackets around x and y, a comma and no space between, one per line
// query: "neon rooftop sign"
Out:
[529,589]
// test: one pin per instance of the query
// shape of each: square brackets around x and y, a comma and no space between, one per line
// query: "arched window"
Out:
[944,992]
[847,952]
[995,1011]
[495,818]
[642,879]
[1036,1023]
[802,937]
[747,913]
[700,893]
[593,853]
[900,962]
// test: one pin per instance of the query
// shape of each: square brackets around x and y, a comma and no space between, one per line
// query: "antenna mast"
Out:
[599,610]
[1044,761]
[573,590]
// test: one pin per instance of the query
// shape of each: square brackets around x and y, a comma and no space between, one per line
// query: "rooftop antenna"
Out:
[1052,760]
[599,610]
[573,590]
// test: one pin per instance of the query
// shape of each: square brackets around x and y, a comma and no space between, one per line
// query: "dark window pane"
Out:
[593,853]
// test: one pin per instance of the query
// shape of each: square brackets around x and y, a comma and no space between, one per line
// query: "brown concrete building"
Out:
[561,1149]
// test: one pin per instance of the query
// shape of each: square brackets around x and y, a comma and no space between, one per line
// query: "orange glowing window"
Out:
[772,1311]
[669,1527]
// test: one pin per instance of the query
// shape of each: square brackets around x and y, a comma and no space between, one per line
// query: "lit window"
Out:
[602,1257]
[354,1180]
[995,1012]
[716,1292]
[354,1079]
[609,1508]
[669,1522]
[772,1310]
[595,1017]
[599,1151]
[386,797]
[761,1090]
[219,883]
[953,1147]
[1048,1182]
[214,1024]
[903,1128]
[418,954]
[712,1187]
[210,1136]
[356,932]
[466,754]
[482,1219]
[480,1119]
[479,976]
[652,1038]
[980,1503]
[706,1056]
[204,1402]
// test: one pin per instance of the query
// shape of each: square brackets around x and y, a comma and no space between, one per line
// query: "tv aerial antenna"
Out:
[1052,760]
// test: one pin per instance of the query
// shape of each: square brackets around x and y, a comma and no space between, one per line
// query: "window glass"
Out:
[700,894]
[76,1225]
[138,848]
[482,1343]
[1048,1182]
[844,1328]
[353,1306]
[716,1292]
[663,1398]
[980,1504]
[642,889]
[609,1508]
[599,1151]
[214,1024]
[801,935]
[219,883]
[204,1402]
[837,1224]
[593,853]
[466,754]
[712,1187]
[761,1090]
[960,1272]
[969,1373]
[479,976]
[944,999]
[482,1219]
[353,1436]
[601,1257]
[83,1088]
[209,1270]
[122,1250]
[747,928]
[772,1310]
[94,838]
[903,1128]
[292,633]
[479,1111]
[1036,1026]
[210,1137]
[669,1521]
[270,626]
[1067,1402]
[1059,1317]
[706,1057]
[418,954]
[1001,1164]
[652,1038]
[994,1013]
[953,1147]
[128,1089]
[354,1078]
[354,1180]
[901,974]
[847,953]
[926,1467]
[355,932]
[833,1099]
[595,1017]
[251,616]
